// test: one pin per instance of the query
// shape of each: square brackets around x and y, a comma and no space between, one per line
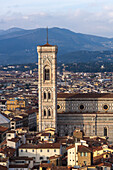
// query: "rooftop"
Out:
[85,95]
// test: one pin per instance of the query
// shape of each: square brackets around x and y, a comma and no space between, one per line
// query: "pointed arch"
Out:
[105,131]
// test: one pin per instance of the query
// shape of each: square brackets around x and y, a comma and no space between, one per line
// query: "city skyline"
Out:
[89,17]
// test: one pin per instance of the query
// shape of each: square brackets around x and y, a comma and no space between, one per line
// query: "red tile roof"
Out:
[85,95]
[41,146]
[82,148]
[3,129]
[19,166]
[71,146]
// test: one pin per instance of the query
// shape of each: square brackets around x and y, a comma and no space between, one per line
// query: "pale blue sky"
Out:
[85,16]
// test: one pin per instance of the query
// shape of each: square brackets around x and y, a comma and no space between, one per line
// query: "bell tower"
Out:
[47,85]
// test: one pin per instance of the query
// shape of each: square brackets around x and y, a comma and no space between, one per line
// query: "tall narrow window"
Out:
[44,112]
[49,112]
[47,74]
[44,95]
[105,131]
[49,95]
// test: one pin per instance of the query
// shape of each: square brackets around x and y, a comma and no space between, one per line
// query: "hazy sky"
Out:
[85,16]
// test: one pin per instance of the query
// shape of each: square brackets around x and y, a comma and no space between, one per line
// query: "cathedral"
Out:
[90,112]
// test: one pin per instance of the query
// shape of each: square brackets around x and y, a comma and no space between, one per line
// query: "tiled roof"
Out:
[49,145]
[20,158]
[41,146]
[71,146]
[11,131]
[28,146]
[46,45]
[45,134]
[14,140]
[84,95]
[3,167]
[82,148]
[55,156]
[19,166]
[3,129]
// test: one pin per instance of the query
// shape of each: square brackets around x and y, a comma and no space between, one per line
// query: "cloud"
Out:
[97,22]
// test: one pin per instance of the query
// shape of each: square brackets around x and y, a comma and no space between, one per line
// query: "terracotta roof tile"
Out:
[85,95]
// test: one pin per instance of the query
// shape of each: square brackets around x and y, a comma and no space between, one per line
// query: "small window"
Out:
[58,106]
[41,157]
[44,95]
[81,154]
[47,74]
[49,113]
[44,112]
[47,157]
[33,150]
[26,150]
[48,150]
[21,150]
[105,131]
[40,150]
[85,154]
[49,95]
[81,107]
[105,107]
[54,150]
[85,162]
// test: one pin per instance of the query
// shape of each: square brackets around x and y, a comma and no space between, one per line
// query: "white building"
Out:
[40,152]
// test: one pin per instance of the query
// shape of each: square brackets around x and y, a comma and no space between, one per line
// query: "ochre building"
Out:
[14,103]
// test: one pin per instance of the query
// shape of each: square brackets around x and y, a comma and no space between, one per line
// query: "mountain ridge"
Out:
[18,45]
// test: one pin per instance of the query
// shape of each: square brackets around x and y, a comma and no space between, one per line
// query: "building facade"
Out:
[15,103]
[90,112]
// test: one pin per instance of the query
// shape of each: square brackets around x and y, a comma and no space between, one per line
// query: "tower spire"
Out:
[47,35]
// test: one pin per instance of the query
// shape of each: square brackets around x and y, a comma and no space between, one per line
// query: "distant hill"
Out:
[19,46]
[87,56]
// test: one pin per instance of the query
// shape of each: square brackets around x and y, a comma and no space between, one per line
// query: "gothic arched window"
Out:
[44,112]
[47,73]
[105,131]
[49,112]
[49,95]
[44,95]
